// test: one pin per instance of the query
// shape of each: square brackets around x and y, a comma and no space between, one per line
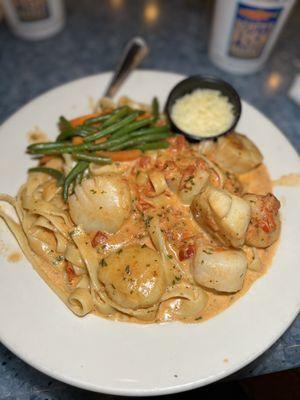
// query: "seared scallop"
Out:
[220,269]
[264,227]
[101,203]
[223,215]
[133,278]
[237,154]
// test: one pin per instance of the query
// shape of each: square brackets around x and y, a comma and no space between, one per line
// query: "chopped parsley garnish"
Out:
[103,263]
[57,260]
[127,269]
[147,220]
[207,251]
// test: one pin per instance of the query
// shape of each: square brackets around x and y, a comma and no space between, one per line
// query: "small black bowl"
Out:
[192,83]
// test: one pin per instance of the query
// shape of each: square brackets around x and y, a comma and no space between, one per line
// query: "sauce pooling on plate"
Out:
[204,113]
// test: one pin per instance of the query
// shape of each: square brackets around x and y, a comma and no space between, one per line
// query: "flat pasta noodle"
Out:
[34,181]
[84,282]
[81,301]
[101,305]
[44,249]
[48,210]
[183,300]
[171,268]
[72,254]
[158,181]
[61,242]
[44,223]
[145,314]
[88,254]
[32,257]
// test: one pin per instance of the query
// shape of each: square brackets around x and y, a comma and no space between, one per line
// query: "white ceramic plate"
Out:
[129,359]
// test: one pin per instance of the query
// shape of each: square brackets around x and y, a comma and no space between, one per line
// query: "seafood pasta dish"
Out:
[129,221]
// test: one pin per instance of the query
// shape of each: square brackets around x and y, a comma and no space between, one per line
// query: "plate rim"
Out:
[156,391]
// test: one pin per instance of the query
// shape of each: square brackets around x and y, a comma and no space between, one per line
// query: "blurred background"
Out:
[67,40]
[177,32]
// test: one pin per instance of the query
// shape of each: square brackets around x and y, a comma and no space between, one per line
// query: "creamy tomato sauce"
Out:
[256,181]
[14,257]
[158,192]
[292,179]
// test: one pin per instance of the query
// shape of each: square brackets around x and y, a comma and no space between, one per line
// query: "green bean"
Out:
[107,145]
[111,142]
[80,167]
[132,143]
[92,158]
[66,129]
[132,127]
[108,119]
[112,128]
[67,147]
[78,179]
[62,150]
[85,129]
[56,148]
[142,132]
[96,120]
[102,118]
[153,146]
[66,134]
[46,145]
[59,176]
[116,116]
[150,130]
[78,131]
[64,123]
[155,108]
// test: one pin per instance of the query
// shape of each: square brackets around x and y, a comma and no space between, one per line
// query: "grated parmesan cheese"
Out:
[204,112]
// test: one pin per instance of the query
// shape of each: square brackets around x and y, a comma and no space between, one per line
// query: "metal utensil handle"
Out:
[134,53]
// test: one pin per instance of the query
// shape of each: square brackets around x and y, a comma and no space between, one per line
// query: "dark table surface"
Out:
[177,32]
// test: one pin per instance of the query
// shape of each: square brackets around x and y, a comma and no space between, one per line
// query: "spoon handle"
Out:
[134,53]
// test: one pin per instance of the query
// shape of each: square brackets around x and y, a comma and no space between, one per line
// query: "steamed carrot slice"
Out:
[80,120]
[101,140]
[143,116]
[124,155]
[45,159]
[77,140]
